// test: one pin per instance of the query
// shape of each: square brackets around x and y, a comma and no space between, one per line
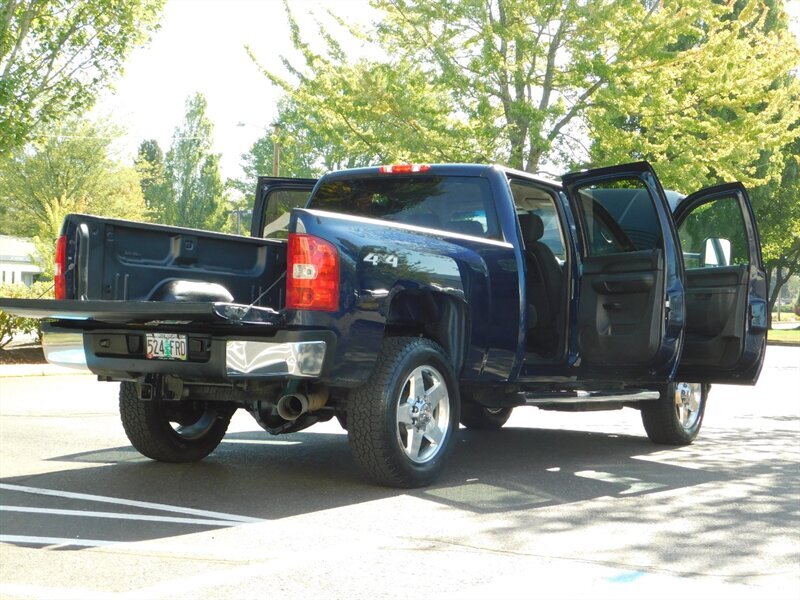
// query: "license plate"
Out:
[166,346]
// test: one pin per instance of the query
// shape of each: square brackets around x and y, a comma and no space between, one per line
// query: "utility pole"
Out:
[276,146]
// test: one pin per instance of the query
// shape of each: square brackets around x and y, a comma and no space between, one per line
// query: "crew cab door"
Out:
[275,199]
[630,294]
[726,287]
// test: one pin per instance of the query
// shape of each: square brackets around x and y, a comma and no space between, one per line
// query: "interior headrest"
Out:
[532,227]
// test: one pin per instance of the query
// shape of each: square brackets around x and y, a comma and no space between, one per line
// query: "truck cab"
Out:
[601,280]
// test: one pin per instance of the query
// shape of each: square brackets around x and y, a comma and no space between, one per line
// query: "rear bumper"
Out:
[116,354]
[64,348]
[250,358]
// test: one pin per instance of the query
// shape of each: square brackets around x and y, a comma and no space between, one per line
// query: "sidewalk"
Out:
[35,370]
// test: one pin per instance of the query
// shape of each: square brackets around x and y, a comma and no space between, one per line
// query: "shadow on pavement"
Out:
[513,471]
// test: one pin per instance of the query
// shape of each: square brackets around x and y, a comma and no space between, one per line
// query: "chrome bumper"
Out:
[243,358]
[296,359]
[64,349]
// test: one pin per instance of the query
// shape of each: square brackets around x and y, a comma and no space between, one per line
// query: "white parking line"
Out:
[54,541]
[262,442]
[124,502]
[113,515]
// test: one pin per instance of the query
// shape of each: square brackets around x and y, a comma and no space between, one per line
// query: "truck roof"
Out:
[453,169]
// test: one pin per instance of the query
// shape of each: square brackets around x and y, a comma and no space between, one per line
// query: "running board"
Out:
[580,397]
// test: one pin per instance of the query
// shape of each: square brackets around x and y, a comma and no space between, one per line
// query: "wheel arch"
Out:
[438,316]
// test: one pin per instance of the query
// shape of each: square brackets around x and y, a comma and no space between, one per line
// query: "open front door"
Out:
[275,199]
[631,296]
[726,287]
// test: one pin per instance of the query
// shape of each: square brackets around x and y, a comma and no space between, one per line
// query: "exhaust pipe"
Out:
[293,405]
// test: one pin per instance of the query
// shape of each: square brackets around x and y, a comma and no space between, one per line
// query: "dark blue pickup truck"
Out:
[405,299]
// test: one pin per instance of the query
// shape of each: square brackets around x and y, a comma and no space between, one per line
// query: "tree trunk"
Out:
[780,280]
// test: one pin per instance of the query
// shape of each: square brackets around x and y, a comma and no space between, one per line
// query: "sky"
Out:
[200,47]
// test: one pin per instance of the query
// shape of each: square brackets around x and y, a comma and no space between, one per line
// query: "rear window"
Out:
[458,204]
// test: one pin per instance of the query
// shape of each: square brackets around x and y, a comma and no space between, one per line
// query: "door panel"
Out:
[618,325]
[630,313]
[725,287]
[714,298]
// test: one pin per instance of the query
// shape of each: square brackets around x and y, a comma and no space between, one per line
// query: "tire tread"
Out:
[366,416]
[150,433]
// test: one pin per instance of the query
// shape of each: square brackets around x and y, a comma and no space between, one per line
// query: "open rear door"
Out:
[726,287]
[631,296]
[275,199]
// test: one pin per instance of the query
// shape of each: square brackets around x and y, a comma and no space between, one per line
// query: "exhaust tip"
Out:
[292,406]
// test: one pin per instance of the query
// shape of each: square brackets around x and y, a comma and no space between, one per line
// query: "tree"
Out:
[503,80]
[720,111]
[350,115]
[196,193]
[72,171]
[777,208]
[299,154]
[152,176]
[56,55]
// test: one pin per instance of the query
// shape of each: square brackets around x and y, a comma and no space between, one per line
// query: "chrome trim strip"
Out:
[267,359]
[64,349]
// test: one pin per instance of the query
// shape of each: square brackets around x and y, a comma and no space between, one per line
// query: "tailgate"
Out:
[141,312]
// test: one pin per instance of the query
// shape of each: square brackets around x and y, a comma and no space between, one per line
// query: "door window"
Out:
[280,203]
[714,235]
[619,216]
[530,198]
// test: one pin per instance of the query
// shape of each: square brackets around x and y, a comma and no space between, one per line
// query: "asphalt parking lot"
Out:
[553,506]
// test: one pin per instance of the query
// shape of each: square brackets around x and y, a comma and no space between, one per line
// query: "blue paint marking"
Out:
[626,577]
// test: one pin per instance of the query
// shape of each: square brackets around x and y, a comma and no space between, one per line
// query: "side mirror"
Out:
[716,252]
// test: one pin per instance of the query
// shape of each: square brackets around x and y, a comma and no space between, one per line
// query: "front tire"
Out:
[177,432]
[676,417]
[402,422]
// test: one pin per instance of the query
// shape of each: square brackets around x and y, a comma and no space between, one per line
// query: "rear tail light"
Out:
[403,168]
[312,273]
[60,273]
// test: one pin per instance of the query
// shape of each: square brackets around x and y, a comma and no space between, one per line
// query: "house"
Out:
[16,260]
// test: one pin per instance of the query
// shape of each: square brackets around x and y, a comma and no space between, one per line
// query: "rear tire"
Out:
[402,422]
[475,416]
[676,417]
[177,432]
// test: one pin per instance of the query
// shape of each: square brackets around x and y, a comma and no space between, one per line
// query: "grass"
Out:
[786,317]
[791,336]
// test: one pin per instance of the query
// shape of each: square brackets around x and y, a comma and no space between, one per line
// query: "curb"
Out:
[781,343]
[36,370]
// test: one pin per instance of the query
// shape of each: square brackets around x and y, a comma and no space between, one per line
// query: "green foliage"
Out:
[70,171]
[297,151]
[56,55]
[777,208]
[11,325]
[350,115]
[196,192]
[504,80]
[153,179]
[720,110]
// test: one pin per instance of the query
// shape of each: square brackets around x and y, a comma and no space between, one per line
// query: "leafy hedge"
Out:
[11,325]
